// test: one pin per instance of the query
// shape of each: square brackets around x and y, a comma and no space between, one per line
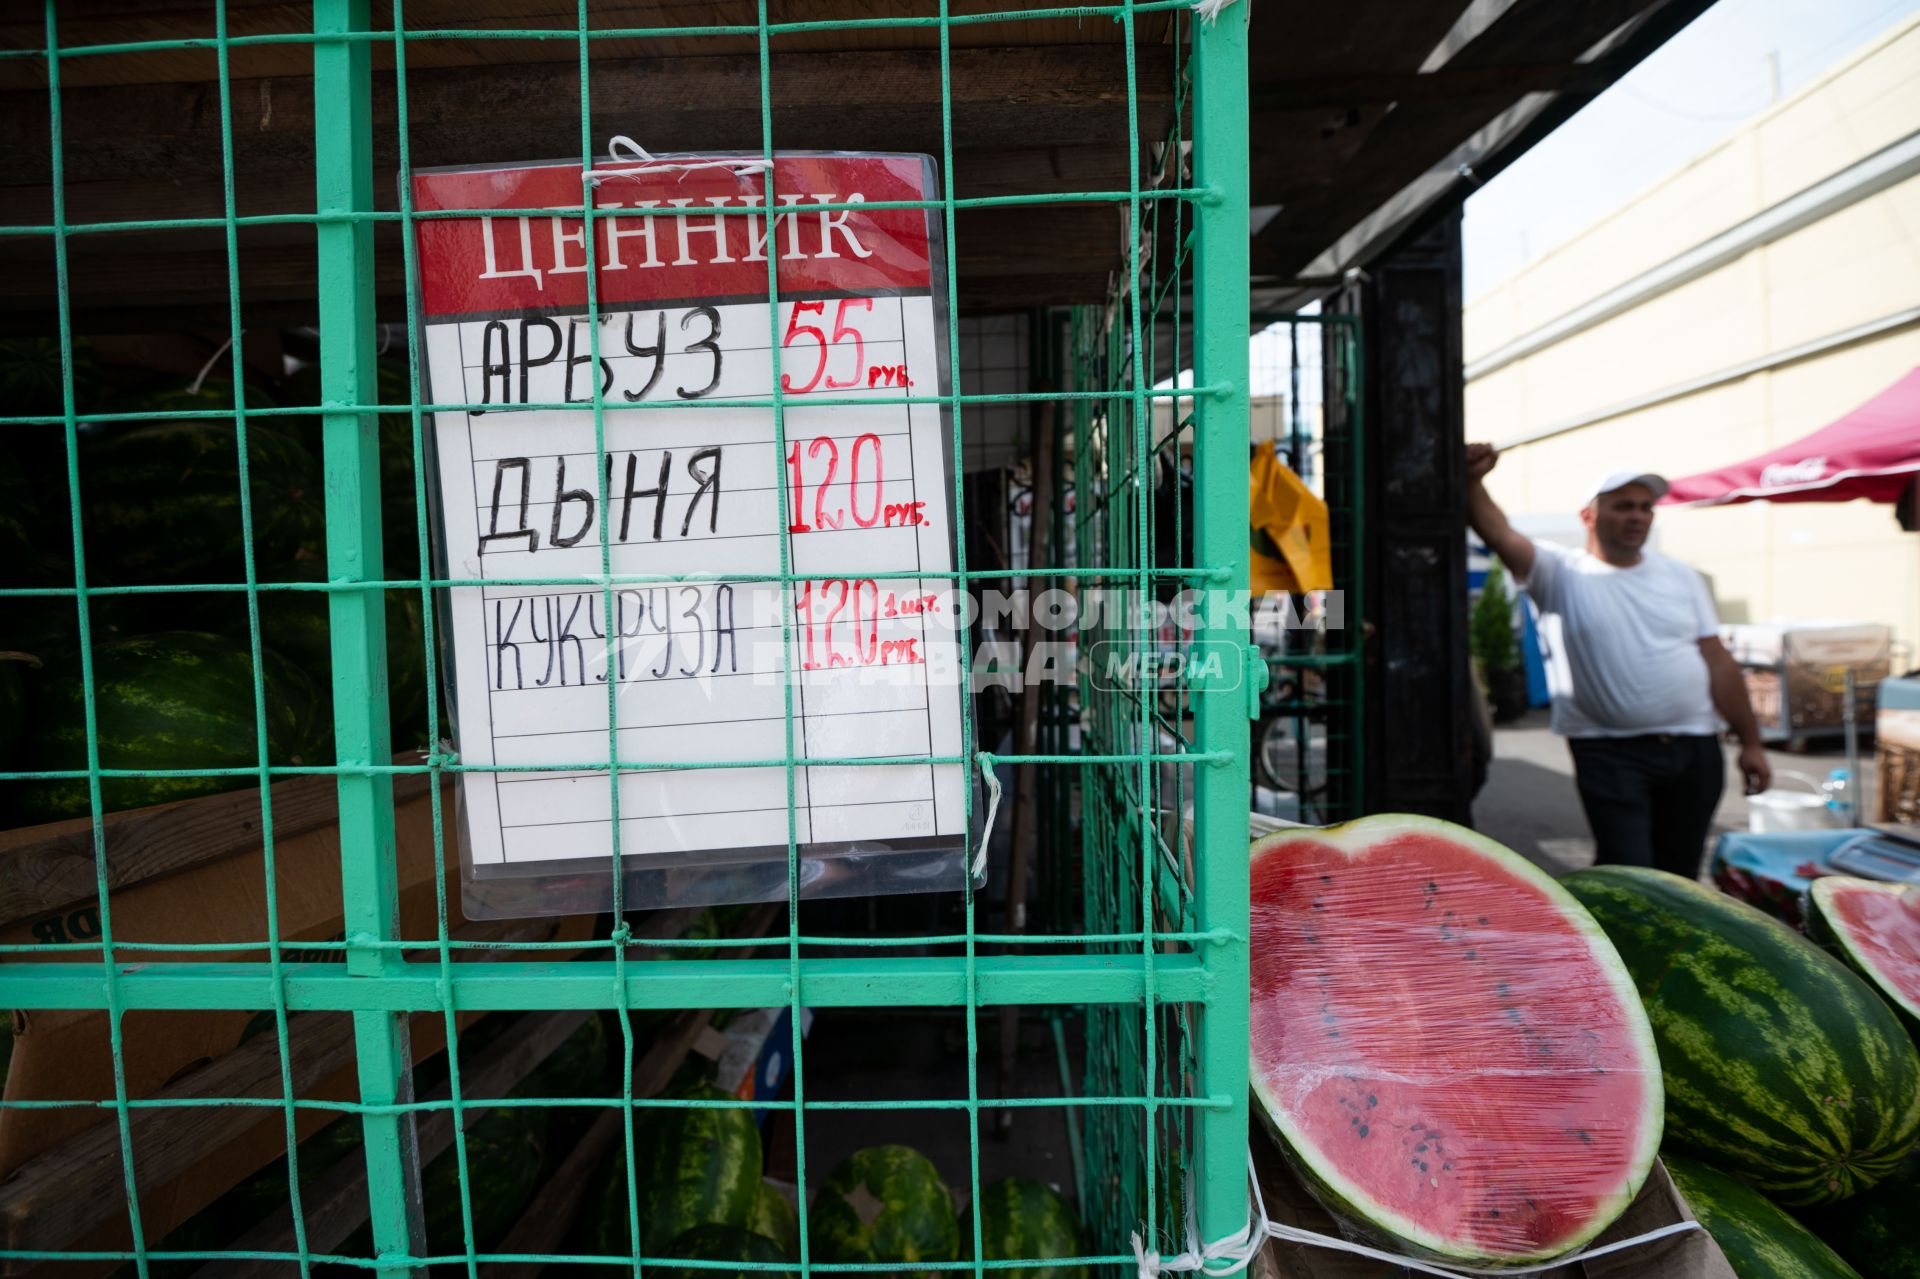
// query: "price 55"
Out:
[807,346]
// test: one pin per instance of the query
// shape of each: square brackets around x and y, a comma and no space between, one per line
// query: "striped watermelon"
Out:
[506,1148]
[1445,1043]
[774,1217]
[161,502]
[1782,1067]
[1875,927]
[175,700]
[1877,1231]
[883,1204]
[1759,1240]
[724,1243]
[699,1165]
[1024,1220]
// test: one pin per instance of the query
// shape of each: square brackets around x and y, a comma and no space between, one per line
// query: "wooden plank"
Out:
[113,21]
[883,99]
[52,1199]
[51,866]
[335,1203]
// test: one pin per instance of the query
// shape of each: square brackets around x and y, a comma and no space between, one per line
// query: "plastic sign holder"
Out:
[699,519]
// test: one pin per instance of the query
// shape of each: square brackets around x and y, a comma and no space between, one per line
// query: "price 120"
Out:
[839,625]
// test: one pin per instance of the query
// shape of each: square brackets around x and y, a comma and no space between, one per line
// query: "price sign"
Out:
[703,664]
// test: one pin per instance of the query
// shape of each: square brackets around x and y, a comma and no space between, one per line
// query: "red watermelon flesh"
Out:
[1445,1042]
[1879,927]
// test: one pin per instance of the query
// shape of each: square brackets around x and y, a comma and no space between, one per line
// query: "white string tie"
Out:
[622,149]
[1209,10]
[979,867]
[1240,1247]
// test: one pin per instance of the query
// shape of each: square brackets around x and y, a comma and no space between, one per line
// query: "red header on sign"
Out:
[486,266]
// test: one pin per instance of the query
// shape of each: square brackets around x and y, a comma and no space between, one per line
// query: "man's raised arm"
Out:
[1514,548]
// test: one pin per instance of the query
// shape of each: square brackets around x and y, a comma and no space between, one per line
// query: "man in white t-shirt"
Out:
[1648,680]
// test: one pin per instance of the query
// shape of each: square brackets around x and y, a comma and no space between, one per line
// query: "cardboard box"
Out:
[66,1055]
[1691,1254]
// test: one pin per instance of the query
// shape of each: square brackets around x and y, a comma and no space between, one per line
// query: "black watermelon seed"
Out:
[1473,954]
[1372,1100]
[1483,921]
[1446,1167]
[1363,1130]
[1423,1165]
[1493,1212]
[1420,1149]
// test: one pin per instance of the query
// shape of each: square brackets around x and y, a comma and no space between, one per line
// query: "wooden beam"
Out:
[1421,86]
[1033,97]
[50,866]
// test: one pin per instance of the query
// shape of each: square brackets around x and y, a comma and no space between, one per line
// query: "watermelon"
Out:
[1782,1067]
[161,503]
[699,1165]
[773,1216]
[883,1204]
[1444,1043]
[1024,1220]
[176,700]
[1875,927]
[1876,1230]
[723,1243]
[1760,1240]
[506,1148]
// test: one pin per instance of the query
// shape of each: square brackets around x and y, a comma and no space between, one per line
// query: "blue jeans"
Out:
[1650,799]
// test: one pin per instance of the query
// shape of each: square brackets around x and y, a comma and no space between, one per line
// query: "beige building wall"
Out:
[1857,266]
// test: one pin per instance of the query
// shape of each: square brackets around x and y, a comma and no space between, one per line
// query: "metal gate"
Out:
[1157,963]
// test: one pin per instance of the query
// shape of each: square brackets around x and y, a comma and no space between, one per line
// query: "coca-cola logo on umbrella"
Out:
[1781,474]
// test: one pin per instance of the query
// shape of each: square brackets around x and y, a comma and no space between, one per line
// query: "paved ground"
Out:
[1530,805]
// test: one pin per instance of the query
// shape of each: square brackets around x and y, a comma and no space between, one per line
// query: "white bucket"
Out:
[1778,810]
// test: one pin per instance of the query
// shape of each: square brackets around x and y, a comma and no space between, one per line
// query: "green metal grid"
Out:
[1160,964]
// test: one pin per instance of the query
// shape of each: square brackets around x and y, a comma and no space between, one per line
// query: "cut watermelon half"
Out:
[1445,1043]
[1876,928]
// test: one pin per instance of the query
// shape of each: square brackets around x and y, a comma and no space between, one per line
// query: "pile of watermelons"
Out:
[1792,1076]
[160,505]
[1466,1060]
[702,1197]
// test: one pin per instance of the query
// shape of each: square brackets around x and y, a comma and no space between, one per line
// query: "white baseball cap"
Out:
[1620,479]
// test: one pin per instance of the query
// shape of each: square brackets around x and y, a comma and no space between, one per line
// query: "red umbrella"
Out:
[1872,452]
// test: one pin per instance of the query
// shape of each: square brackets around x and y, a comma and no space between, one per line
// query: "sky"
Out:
[1689,94]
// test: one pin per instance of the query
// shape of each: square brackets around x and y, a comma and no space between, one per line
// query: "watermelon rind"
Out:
[505,1149]
[175,700]
[1783,1067]
[773,1216]
[1878,1230]
[1344,1197]
[698,1165]
[883,1204]
[1759,1239]
[724,1243]
[1825,928]
[1022,1220]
